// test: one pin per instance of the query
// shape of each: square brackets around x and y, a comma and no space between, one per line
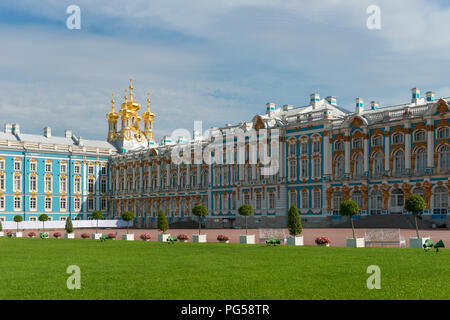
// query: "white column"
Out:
[366,149]
[386,149]
[158,175]
[407,147]
[347,153]
[430,143]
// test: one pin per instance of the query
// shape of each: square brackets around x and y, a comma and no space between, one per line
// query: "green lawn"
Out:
[36,269]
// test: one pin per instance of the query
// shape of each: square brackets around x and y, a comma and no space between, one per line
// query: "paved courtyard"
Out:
[337,236]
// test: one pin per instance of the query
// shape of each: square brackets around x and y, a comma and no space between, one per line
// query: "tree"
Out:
[245,210]
[294,224]
[18,219]
[349,208]
[69,225]
[43,217]
[199,210]
[1,227]
[163,224]
[415,204]
[127,216]
[97,215]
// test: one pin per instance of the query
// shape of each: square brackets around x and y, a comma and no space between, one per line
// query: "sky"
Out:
[215,61]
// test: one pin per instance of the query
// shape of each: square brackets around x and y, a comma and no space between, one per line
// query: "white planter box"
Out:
[2,234]
[96,236]
[248,239]
[356,243]
[18,235]
[199,238]
[129,236]
[162,237]
[69,235]
[417,242]
[295,241]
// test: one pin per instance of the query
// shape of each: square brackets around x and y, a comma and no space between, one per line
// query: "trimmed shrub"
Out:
[349,208]
[415,204]
[127,216]
[294,224]
[245,210]
[69,225]
[163,224]
[199,210]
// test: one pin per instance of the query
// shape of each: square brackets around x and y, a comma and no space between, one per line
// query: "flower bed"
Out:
[111,235]
[145,236]
[323,241]
[31,234]
[183,237]
[57,235]
[85,235]
[223,238]
[9,234]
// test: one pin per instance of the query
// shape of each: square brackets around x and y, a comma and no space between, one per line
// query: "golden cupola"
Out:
[112,117]
[148,121]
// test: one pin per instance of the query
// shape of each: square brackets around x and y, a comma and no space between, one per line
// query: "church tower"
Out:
[112,117]
[148,122]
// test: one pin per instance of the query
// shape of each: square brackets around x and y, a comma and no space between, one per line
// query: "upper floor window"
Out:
[48,167]
[357,143]
[63,168]
[292,149]
[304,148]
[33,166]
[316,146]
[91,169]
[377,140]
[338,145]
[17,165]
[76,168]
[103,170]
[397,138]
[442,132]
[2,164]
[419,135]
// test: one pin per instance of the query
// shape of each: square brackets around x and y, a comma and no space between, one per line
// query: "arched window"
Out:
[399,162]
[378,164]
[397,138]
[338,145]
[205,178]
[174,180]
[419,135]
[377,140]
[357,143]
[358,198]
[316,198]
[358,169]
[421,160]
[338,197]
[440,200]
[442,133]
[340,167]
[444,157]
[419,191]
[293,198]
[292,149]
[376,201]
[397,201]
[304,199]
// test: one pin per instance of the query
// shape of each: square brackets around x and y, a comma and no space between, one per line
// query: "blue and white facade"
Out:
[376,156]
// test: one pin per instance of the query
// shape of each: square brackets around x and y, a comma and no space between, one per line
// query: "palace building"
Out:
[375,155]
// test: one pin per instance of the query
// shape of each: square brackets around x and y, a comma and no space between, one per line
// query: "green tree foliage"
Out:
[97,215]
[43,217]
[18,218]
[349,208]
[294,224]
[69,225]
[127,216]
[199,210]
[163,224]
[245,210]
[415,204]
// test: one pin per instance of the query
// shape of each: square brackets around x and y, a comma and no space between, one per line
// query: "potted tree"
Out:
[43,217]
[200,211]
[1,230]
[18,218]
[295,227]
[163,226]
[350,208]
[128,216]
[416,204]
[246,210]
[97,215]
[69,229]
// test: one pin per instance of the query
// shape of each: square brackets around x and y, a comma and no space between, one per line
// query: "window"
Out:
[378,164]
[2,202]
[103,186]
[340,167]
[339,145]
[77,185]
[419,135]
[271,201]
[77,204]
[358,198]
[358,169]
[440,200]
[292,198]
[419,191]
[304,168]
[304,204]
[33,166]
[33,203]
[17,165]
[444,157]
[91,169]
[397,198]
[316,168]
[91,185]
[377,140]
[225,175]
[17,203]
[48,167]
[316,147]
[338,197]
[48,203]
[77,168]
[34,219]
[63,167]
[399,162]
[90,204]
[421,160]
[246,198]
[63,184]
[17,182]
[2,182]
[397,138]
[62,218]
[103,170]
[292,170]
[48,184]
[316,199]
[2,164]
[258,201]
[304,148]
[442,133]
[292,149]
[376,201]
[62,204]
[104,204]
[357,143]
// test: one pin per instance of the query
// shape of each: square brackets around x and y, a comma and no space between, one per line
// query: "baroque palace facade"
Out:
[376,156]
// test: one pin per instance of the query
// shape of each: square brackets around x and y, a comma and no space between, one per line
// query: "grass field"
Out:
[36,269]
